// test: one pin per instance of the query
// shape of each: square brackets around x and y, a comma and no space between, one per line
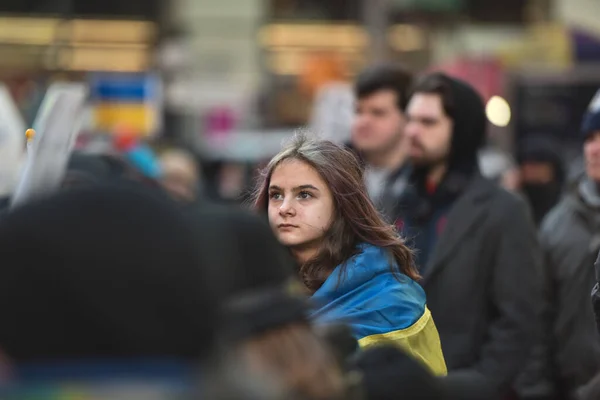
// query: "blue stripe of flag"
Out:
[130,89]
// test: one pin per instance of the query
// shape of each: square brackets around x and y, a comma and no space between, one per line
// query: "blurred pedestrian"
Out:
[541,174]
[570,238]
[180,175]
[475,242]
[388,373]
[356,267]
[378,132]
[265,330]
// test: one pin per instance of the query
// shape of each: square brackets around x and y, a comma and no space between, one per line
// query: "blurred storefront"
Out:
[44,41]
[262,62]
[303,37]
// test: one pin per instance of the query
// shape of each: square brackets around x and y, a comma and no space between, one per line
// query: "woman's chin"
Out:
[289,238]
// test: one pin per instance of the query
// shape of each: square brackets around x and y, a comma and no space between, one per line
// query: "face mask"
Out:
[541,197]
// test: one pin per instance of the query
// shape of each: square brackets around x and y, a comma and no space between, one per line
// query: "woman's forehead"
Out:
[293,172]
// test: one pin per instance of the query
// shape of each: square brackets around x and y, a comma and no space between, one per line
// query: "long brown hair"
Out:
[356,220]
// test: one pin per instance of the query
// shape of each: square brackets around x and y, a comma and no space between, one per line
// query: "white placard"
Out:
[57,125]
[333,112]
[595,103]
[12,142]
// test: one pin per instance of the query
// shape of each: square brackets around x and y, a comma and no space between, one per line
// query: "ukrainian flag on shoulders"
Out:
[381,307]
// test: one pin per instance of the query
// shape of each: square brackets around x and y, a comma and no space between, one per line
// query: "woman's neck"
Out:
[303,254]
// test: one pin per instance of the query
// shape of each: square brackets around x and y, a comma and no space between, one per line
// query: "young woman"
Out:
[357,268]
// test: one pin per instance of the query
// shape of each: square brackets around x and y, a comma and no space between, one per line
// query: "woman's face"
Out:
[300,205]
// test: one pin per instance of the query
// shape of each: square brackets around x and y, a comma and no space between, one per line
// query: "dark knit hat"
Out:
[591,119]
[104,271]
[89,169]
[86,169]
[541,148]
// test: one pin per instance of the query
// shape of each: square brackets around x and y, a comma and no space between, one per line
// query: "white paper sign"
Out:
[56,125]
[333,113]
[595,103]
[12,142]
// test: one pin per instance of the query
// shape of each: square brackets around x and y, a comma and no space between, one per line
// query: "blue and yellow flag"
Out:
[381,307]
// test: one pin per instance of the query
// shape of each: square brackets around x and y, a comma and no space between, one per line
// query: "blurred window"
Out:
[336,10]
[143,9]
[505,11]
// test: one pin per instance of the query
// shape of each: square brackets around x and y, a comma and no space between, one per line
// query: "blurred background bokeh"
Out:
[230,79]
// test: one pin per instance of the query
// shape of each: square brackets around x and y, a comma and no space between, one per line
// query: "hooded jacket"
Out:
[422,214]
[478,256]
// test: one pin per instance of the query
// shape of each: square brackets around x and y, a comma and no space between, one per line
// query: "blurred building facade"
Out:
[231,66]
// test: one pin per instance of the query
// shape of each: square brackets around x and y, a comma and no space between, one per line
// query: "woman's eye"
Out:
[275,196]
[304,195]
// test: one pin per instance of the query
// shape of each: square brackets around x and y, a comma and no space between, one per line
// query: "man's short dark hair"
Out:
[436,84]
[384,77]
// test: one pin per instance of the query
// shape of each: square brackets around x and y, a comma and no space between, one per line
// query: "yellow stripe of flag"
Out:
[138,117]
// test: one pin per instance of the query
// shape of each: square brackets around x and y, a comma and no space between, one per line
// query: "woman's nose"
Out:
[286,207]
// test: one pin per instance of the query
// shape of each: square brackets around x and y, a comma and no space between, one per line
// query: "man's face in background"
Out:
[537,172]
[378,123]
[429,130]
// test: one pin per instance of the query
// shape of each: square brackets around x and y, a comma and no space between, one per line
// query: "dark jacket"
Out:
[396,184]
[482,273]
[596,293]
[483,284]
[570,238]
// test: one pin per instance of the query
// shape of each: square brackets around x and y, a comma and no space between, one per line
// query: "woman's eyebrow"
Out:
[302,187]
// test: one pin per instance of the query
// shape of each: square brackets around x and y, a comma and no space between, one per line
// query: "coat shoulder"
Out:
[503,203]
[559,224]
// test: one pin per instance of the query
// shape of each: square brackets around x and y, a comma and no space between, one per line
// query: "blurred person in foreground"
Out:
[475,242]
[378,132]
[356,268]
[114,282]
[265,326]
[388,373]
[570,238]
[102,273]
[264,330]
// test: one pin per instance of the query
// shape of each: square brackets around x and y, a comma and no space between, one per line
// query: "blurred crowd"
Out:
[391,265]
